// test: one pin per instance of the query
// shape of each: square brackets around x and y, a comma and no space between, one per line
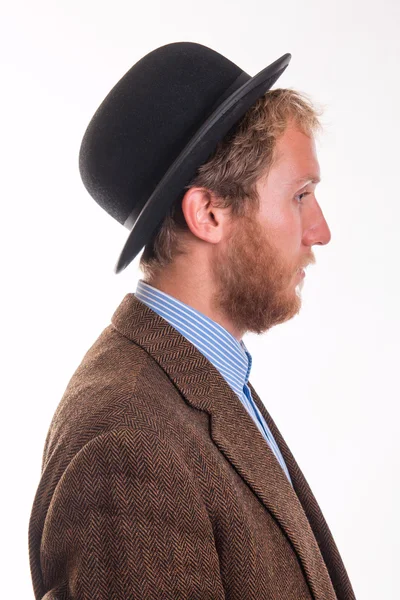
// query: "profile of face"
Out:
[257,270]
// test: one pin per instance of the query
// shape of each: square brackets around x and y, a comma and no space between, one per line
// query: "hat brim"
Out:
[195,153]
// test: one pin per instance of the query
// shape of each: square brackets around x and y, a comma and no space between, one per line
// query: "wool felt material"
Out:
[158,124]
[157,484]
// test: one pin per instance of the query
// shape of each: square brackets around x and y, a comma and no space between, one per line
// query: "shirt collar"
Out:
[229,356]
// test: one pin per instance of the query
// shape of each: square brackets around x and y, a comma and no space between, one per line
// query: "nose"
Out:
[317,230]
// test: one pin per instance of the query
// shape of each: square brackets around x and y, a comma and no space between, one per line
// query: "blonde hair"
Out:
[244,155]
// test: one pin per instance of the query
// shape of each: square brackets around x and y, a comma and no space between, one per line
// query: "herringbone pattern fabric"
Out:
[321,530]
[157,484]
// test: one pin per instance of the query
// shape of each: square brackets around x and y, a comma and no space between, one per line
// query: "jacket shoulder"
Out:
[116,383]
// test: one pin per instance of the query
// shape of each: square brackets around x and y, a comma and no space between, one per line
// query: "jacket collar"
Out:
[218,345]
[237,437]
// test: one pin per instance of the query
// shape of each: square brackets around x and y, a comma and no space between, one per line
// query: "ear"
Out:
[204,219]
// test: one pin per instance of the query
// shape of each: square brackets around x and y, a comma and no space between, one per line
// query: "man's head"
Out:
[245,222]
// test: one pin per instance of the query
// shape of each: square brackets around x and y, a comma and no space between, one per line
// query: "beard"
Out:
[255,287]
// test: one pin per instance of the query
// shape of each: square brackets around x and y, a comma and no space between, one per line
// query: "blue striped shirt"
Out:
[229,356]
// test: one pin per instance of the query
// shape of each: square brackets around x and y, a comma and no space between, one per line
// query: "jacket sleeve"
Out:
[127,521]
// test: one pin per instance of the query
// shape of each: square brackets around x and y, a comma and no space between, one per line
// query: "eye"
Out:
[302,194]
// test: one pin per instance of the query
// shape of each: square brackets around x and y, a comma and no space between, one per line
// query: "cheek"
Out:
[279,226]
[285,228]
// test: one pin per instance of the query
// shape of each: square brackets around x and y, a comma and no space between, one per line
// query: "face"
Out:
[256,269]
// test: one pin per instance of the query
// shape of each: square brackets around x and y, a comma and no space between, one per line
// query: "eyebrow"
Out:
[311,178]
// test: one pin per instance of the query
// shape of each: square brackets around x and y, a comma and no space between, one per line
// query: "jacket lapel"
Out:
[310,506]
[234,433]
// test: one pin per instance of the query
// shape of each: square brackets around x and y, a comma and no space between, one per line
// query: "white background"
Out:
[329,377]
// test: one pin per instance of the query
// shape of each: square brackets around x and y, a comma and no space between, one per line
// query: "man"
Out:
[164,476]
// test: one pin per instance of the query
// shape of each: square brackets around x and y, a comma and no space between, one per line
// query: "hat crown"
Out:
[146,121]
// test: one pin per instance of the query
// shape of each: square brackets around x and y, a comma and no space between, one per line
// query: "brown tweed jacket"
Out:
[156,484]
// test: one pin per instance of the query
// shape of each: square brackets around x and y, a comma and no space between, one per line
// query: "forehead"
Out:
[296,161]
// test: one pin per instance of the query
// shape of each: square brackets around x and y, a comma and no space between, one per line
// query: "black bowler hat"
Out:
[158,124]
